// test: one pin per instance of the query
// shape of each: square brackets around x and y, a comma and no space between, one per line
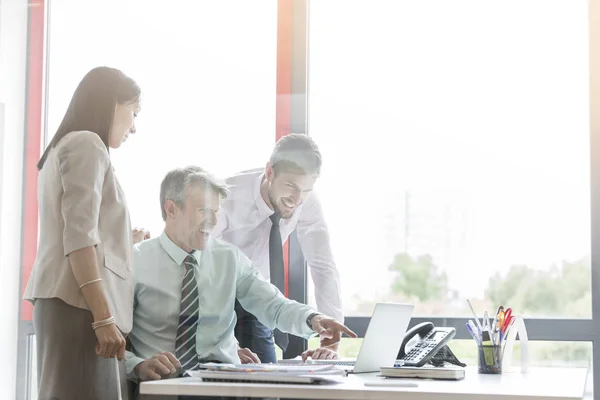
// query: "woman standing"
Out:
[82,284]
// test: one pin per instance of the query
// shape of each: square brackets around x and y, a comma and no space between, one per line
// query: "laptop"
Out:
[381,343]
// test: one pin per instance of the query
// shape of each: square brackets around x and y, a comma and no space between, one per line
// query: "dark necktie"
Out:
[185,343]
[277,275]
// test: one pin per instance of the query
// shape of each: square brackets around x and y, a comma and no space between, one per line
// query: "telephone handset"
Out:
[423,342]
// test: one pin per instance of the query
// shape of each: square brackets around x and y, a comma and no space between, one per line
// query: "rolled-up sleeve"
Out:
[270,307]
[83,162]
[132,361]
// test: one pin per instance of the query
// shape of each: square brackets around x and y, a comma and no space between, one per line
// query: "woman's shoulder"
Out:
[84,146]
[81,149]
[82,140]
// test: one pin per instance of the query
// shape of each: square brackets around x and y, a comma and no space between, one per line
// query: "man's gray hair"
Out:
[175,185]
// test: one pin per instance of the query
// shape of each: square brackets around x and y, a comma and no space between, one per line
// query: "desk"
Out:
[537,384]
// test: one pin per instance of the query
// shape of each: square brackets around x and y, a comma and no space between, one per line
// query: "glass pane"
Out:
[541,354]
[455,145]
[20,97]
[207,70]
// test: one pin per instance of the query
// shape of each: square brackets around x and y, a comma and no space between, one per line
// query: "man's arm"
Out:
[273,309]
[162,365]
[266,302]
[313,236]
[132,361]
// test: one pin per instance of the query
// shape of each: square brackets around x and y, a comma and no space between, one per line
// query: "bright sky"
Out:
[478,109]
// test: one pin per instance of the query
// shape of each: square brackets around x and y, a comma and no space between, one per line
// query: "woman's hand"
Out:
[111,342]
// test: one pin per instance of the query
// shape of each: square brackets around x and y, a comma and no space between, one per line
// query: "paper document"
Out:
[264,377]
[302,369]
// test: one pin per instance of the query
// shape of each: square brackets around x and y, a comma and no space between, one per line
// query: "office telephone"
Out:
[426,343]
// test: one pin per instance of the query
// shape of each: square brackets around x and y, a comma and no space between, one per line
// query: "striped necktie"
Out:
[185,343]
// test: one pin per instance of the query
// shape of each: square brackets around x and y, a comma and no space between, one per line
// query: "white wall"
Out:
[13,42]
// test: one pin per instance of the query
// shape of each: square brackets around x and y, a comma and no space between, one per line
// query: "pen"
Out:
[497,318]
[495,336]
[475,315]
[473,334]
[475,328]
[495,333]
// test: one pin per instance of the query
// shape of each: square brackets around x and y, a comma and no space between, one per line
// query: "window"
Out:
[207,73]
[455,140]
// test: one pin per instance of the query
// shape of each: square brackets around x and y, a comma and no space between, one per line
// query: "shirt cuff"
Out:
[309,332]
[132,361]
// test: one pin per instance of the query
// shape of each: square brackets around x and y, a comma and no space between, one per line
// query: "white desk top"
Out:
[537,384]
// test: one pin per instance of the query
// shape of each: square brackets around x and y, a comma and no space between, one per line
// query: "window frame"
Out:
[35,135]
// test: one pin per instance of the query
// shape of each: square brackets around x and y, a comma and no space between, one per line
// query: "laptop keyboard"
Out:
[334,362]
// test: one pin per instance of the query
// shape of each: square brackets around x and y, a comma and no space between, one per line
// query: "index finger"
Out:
[121,350]
[347,331]
[173,359]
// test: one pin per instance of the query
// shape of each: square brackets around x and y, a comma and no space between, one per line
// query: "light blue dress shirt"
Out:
[223,273]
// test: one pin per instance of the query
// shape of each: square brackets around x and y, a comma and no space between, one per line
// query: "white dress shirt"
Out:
[223,273]
[244,221]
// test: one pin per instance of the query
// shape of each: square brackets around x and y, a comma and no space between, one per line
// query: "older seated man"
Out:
[187,282]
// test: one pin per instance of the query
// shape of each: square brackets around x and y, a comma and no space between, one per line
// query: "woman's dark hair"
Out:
[92,106]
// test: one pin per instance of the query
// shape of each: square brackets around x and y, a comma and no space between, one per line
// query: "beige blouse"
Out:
[81,204]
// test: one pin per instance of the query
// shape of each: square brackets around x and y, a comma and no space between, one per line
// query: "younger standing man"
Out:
[264,207]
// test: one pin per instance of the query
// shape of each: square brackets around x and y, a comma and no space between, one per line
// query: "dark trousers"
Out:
[252,334]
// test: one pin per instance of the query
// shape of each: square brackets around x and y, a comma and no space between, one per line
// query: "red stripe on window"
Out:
[283,91]
[35,74]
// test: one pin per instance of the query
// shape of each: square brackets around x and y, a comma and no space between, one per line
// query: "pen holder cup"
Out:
[489,359]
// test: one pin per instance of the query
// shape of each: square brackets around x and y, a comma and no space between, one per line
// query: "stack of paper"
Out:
[268,373]
[290,369]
